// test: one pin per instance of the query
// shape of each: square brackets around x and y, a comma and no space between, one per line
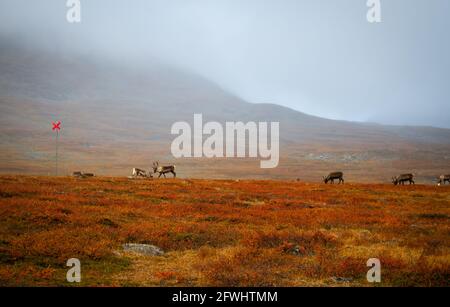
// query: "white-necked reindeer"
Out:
[137,172]
[443,179]
[163,170]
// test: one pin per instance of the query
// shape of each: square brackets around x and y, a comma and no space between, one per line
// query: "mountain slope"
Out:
[115,118]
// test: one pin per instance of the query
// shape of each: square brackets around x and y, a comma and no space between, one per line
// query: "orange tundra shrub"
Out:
[307,241]
[61,244]
[221,232]
[247,267]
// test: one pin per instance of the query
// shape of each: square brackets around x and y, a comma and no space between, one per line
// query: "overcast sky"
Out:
[321,57]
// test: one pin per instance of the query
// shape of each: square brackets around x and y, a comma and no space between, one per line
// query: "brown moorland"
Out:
[221,232]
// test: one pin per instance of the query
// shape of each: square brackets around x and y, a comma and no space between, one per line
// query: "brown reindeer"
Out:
[443,179]
[332,176]
[403,178]
[82,175]
[163,170]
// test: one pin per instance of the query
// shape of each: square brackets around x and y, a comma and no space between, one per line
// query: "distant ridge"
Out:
[105,107]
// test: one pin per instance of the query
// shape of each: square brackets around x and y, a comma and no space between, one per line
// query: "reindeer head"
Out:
[394,180]
[325,179]
[155,166]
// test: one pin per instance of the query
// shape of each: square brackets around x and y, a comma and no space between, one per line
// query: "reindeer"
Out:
[137,172]
[443,178]
[82,175]
[332,176]
[163,170]
[403,178]
[77,174]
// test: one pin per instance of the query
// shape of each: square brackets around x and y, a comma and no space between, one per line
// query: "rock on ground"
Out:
[144,249]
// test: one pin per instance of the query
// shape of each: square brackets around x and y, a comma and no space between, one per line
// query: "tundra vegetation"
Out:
[221,232]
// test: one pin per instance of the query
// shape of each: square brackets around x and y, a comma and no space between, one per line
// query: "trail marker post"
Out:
[57,128]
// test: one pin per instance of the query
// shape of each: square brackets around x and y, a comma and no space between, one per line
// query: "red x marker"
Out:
[56,126]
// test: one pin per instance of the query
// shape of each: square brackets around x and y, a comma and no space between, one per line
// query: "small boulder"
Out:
[143,249]
[342,279]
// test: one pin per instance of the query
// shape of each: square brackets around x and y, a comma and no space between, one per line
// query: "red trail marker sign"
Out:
[56,126]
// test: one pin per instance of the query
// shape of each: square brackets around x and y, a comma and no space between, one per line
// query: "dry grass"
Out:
[221,233]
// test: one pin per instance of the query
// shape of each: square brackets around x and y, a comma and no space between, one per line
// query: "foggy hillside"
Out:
[108,111]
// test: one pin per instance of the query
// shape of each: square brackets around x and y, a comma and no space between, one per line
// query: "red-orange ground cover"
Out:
[222,233]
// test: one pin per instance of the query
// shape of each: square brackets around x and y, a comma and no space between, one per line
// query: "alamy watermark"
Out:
[374,12]
[74,273]
[374,273]
[190,142]
[74,12]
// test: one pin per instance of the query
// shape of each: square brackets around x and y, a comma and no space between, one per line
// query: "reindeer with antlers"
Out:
[163,170]
[400,180]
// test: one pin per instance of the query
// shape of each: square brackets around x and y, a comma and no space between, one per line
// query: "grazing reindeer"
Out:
[77,174]
[332,176]
[163,170]
[403,178]
[443,178]
[137,172]
[82,175]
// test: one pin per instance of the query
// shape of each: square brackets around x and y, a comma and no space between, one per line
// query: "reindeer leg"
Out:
[164,175]
[174,174]
[159,175]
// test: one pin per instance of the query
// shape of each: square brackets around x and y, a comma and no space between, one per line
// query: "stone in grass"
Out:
[143,249]
[342,279]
